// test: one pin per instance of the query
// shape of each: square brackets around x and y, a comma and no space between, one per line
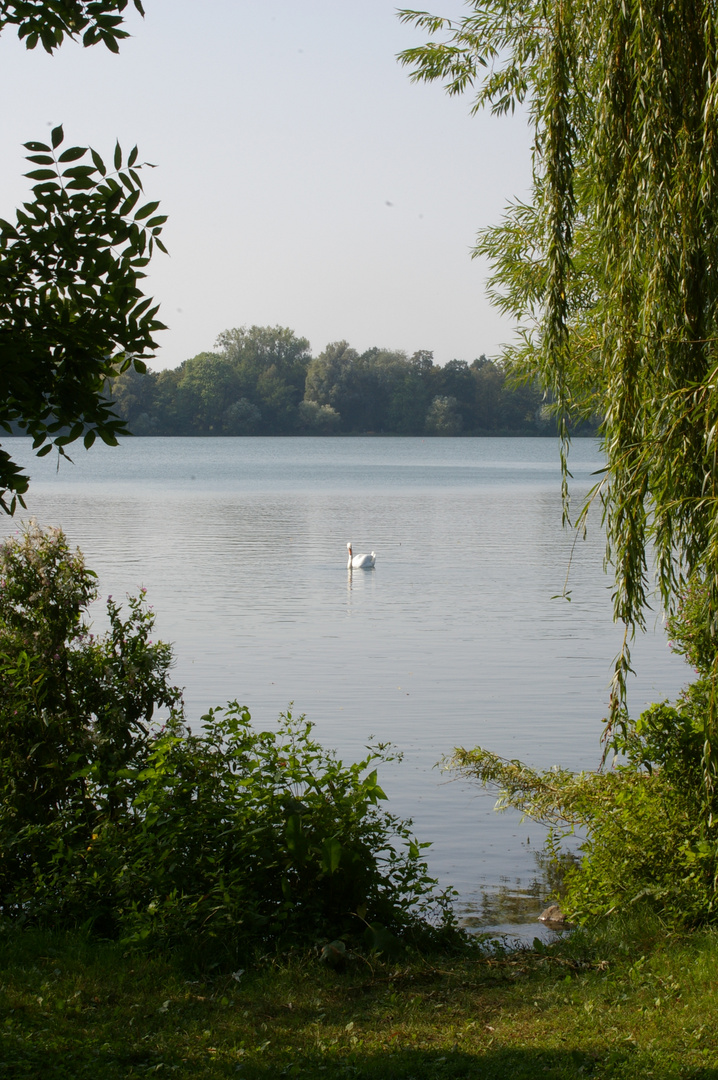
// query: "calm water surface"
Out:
[453,640]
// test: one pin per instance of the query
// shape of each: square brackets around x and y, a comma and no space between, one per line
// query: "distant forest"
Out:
[264,381]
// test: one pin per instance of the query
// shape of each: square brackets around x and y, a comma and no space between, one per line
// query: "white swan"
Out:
[360,562]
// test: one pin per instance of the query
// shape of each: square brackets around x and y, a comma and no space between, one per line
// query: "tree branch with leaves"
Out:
[610,268]
[72,312]
[49,22]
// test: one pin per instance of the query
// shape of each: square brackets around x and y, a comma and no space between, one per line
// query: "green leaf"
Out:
[331,855]
[113,200]
[39,190]
[129,203]
[141,306]
[73,153]
[133,157]
[57,135]
[118,157]
[297,843]
[79,170]
[98,162]
[37,146]
[146,210]
[42,174]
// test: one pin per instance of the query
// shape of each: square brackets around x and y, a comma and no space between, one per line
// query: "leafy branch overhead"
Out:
[72,313]
[610,269]
[49,23]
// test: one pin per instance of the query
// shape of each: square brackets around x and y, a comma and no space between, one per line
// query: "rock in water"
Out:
[554,918]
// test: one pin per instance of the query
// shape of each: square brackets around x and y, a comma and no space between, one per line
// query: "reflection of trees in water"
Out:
[516,902]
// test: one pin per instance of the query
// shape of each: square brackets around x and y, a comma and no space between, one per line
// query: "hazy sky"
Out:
[309,184]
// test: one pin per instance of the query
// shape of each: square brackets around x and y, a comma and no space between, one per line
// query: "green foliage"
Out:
[645,835]
[49,23]
[443,417]
[75,711]
[253,385]
[318,419]
[70,699]
[224,837]
[263,382]
[690,626]
[608,268]
[241,834]
[72,313]
[271,366]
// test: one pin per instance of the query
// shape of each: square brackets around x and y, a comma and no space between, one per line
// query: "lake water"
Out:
[452,640]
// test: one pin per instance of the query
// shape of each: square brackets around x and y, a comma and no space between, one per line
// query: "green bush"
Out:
[71,703]
[149,832]
[240,833]
[69,698]
[645,836]
[649,825]
[690,627]
[650,839]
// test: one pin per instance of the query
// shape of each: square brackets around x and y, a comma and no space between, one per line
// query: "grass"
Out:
[72,1008]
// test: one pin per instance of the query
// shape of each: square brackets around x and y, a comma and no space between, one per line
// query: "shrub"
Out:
[245,834]
[649,826]
[74,707]
[690,629]
[69,698]
[646,838]
[224,837]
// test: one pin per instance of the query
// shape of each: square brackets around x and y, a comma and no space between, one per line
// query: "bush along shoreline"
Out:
[116,817]
[228,900]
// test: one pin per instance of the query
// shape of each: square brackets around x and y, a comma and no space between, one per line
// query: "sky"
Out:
[308,182]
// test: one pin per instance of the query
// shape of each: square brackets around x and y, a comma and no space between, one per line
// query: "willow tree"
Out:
[611,269]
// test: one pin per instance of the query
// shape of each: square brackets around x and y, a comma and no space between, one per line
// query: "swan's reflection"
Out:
[358,582]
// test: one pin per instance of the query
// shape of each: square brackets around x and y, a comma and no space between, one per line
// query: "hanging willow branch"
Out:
[612,268]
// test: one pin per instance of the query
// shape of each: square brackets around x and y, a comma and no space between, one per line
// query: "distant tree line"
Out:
[264,381]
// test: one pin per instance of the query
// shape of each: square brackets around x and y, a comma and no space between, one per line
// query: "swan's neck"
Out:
[349,562]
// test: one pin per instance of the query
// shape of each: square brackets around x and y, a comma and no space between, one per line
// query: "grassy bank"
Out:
[72,1008]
